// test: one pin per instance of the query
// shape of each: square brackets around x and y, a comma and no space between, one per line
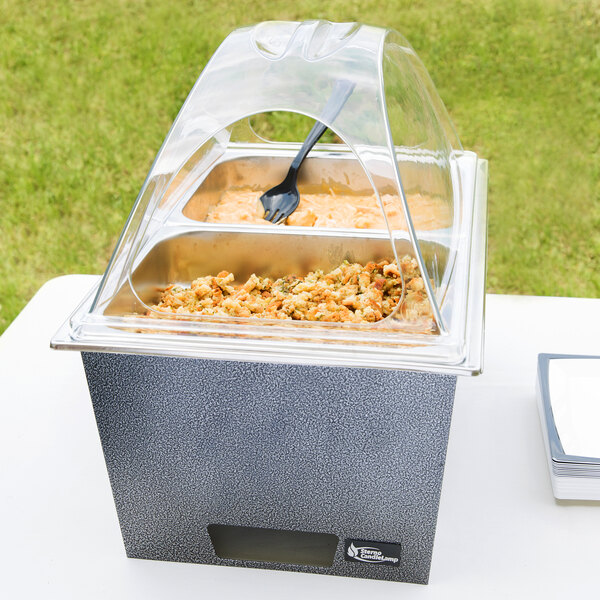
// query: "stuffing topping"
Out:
[350,293]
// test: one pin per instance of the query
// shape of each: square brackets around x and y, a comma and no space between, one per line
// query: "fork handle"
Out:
[341,92]
[313,137]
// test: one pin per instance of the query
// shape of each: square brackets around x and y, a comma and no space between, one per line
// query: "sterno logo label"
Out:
[381,553]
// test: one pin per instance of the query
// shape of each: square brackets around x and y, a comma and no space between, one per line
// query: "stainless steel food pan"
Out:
[181,248]
[187,253]
[326,171]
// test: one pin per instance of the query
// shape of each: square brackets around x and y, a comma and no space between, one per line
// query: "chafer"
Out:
[288,443]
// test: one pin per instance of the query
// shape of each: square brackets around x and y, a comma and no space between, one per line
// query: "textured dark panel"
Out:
[358,453]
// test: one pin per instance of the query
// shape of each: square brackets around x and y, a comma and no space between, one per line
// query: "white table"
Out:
[500,532]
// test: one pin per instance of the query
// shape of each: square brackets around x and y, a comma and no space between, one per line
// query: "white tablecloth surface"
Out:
[501,533]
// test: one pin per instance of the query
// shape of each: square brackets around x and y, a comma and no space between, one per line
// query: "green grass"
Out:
[89,89]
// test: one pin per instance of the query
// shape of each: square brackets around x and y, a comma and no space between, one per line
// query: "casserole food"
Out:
[333,209]
[350,293]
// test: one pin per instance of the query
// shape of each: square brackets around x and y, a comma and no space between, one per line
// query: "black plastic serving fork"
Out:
[282,200]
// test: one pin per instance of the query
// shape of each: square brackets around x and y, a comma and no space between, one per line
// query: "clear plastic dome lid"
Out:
[386,250]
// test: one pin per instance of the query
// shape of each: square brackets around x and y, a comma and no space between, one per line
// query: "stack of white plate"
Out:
[569,403]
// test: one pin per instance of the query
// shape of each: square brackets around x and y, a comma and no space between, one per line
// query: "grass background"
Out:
[89,89]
